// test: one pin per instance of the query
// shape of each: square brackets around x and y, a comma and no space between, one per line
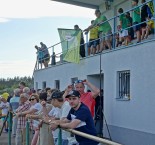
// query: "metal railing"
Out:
[58,58]
[88,136]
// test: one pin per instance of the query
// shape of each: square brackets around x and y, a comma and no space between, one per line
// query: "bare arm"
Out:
[95,90]
[71,125]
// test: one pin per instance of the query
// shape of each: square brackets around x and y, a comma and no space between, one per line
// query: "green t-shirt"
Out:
[105,27]
[124,21]
[135,16]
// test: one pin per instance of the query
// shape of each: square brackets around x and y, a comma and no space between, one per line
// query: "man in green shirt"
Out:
[104,30]
[136,19]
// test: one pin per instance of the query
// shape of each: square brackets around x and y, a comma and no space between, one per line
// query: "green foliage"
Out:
[9,84]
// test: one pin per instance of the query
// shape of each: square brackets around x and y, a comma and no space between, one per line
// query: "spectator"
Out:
[35,109]
[144,17]
[4,106]
[79,118]
[45,134]
[21,86]
[14,104]
[104,29]
[124,24]
[26,90]
[58,101]
[93,45]
[46,55]
[99,114]
[88,98]
[130,30]
[39,55]
[21,124]
[82,43]
[136,20]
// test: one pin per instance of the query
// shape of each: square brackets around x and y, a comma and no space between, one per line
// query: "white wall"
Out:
[136,114]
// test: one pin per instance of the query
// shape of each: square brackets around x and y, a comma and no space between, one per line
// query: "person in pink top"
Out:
[88,98]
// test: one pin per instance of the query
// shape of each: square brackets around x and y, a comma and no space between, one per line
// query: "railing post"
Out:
[114,33]
[10,128]
[86,45]
[60,137]
[27,132]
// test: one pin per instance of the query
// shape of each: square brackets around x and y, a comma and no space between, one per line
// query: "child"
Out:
[4,106]
[124,24]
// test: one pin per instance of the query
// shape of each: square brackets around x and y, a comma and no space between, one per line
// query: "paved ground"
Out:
[4,137]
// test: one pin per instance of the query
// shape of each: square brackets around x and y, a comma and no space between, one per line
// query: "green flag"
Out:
[70,42]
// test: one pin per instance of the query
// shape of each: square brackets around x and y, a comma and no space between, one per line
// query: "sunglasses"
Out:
[32,99]
[78,81]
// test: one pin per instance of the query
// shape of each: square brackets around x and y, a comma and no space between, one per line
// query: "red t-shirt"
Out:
[89,101]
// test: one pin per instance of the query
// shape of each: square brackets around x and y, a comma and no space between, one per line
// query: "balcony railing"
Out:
[56,56]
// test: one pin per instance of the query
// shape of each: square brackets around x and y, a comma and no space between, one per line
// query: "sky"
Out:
[26,23]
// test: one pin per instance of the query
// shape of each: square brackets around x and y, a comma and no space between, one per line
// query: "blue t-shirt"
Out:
[86,125]
[14,103]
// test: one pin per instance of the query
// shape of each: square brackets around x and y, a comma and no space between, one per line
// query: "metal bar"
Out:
[27,133]
[98,139]
[60,137]
[10,128]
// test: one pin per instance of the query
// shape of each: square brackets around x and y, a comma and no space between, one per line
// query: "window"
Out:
[43,85]
[36,86]
[73,80]
[57,84]
[124,85]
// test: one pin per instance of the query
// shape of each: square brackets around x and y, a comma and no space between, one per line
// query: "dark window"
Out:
[124,84]
[57,84]
[43,85]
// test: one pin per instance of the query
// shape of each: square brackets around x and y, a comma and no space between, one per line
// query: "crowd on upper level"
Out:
[135,25]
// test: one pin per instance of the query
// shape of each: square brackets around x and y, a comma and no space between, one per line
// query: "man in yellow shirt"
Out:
[93,45]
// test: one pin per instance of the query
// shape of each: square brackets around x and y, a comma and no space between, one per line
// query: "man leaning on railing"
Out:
[79,118]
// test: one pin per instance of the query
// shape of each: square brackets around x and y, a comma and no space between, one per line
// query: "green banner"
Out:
[70,42]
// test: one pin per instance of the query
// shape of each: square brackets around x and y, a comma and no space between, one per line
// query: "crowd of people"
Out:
[49,109]
[136,24]
[43,55]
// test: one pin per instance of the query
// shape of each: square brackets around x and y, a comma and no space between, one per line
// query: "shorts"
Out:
[137,27]
[104,36]
[93,42]
[46,58]
[123,33]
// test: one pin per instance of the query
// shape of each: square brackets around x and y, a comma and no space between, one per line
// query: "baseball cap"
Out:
[56,95]
[73,93]
[5,95]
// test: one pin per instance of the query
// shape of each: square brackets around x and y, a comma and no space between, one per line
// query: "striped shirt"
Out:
[22,119]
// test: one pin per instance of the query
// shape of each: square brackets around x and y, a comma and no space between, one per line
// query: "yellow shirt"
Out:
[93,33]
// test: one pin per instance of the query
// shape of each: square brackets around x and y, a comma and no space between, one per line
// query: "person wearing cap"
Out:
[21,123]
[88,98]
[58,101]
[4,106]
[104,29]
[79,118]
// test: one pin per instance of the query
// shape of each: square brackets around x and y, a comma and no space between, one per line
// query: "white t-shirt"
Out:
[64,110]
[5,108]
[37,107]
[55,112]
